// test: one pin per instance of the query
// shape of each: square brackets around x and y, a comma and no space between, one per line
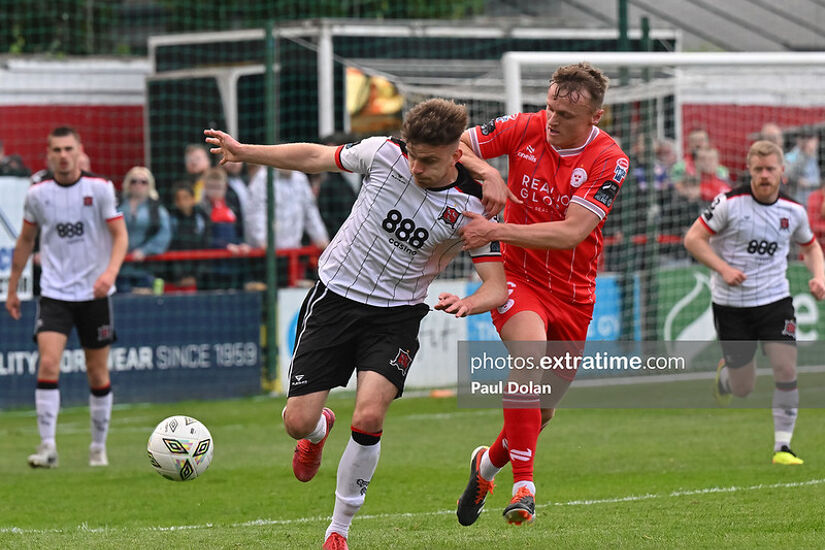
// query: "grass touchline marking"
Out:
[588,502]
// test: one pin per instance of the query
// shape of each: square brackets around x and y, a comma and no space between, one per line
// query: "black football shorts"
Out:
[94,320]
[740,328]
[336,336]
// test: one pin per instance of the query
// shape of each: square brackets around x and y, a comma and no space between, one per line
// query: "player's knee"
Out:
[49,367]
[98,377]
[368,420]
[297,423]
[742,388]
[785,372]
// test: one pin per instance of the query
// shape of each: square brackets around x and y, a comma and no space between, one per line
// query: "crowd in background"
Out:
[224,207]
[681,188]
[217,207]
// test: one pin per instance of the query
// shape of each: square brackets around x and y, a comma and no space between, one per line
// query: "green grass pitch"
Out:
[679,478]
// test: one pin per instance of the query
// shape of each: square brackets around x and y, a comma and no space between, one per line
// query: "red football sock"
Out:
[522,427]
[498,450]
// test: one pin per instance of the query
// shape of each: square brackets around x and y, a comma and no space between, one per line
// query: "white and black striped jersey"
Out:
[75,242]
[399,236]
[754,238]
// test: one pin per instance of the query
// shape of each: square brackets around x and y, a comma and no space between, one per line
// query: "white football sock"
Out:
[355,471]
[320,430]
[487,470]
[785,410]
[47,404]
[100,411]
[519,484]
[724,380]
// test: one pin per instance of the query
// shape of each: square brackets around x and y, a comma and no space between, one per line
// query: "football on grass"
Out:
[180,448]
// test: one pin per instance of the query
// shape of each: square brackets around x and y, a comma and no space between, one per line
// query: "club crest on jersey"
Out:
[784,224]
[578,177]
[87,201]
[450,216]
[790,328]
[620,172]
[104,332]
[402,361]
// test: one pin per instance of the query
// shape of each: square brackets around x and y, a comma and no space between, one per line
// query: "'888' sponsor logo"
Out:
[69,230]
[405,229]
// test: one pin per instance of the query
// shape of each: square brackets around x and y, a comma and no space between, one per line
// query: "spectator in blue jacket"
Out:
[149,227]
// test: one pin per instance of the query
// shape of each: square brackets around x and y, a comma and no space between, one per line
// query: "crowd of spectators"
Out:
[679,189]
[217,208]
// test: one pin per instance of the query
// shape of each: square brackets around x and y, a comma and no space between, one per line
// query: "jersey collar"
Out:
[82,174]
[594,131]
[778,196]
[463,176]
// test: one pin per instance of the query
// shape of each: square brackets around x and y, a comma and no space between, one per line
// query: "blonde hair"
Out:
[765,148]
[140,171]
[216,174]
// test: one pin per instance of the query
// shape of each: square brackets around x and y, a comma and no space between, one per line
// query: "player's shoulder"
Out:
[379,148]
[371,145]
[94,179]
[740,192]
[502,122]
[789,200]
[38,188]
[466,184]
[605,146]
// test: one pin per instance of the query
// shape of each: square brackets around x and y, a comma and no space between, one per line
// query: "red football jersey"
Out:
[548,179]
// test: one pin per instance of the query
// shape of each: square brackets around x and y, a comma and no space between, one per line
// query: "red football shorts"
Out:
[563,321]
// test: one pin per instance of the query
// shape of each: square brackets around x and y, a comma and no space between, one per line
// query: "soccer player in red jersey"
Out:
[566,173]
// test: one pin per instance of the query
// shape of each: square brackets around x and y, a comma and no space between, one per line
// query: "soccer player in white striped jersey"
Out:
[365,311]
[83,241]
[744,236]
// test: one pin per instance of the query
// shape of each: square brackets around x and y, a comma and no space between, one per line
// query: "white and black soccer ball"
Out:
[180,448]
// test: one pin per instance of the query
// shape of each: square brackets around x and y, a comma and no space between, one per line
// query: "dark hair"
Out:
[183,186]
[571,80]
[435,122]
[64,131]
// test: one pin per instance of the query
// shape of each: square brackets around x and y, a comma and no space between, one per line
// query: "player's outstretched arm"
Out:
[22,250]
[494,190]
[492,293]
[310,158]
[563,235]
[697,242]
[814,261]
